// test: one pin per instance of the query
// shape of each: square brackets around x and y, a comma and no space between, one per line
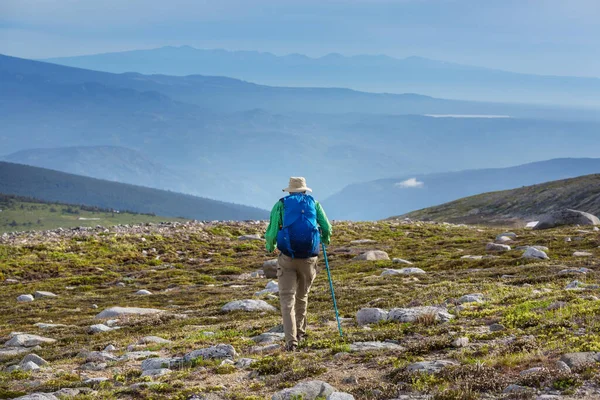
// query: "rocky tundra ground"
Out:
[185,311]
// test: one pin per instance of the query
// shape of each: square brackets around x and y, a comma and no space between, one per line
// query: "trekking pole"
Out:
[337,315]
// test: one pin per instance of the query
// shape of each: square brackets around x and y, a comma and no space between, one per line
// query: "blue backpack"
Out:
[299,236]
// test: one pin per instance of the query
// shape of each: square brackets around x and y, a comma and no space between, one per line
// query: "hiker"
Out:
[294,227]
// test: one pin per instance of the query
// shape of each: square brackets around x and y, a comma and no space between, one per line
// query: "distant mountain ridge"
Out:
[385,197]
[518,206]
[372,73]
[49,185]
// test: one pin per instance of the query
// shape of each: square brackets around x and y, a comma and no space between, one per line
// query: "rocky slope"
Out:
[429,310]
[518,206]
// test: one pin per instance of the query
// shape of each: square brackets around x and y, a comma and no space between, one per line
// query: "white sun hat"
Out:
[297,185]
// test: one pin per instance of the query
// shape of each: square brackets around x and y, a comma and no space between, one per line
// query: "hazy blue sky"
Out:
[540,36]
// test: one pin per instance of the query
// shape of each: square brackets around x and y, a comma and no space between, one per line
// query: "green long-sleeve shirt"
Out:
[276,221]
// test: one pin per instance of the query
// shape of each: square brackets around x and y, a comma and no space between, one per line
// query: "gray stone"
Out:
[503,239]
[363,241]
[38,396]
[68,392]
[475,258]
[374,346]
[35,359]
[27,340]
[510,235]
[340,396]
[497,247]
[471,298]
[350,380]
[413,314]
[563,367]
[161,363]
[517,389]
[94,381]
[143,292]
[533,253]
[30,366]
[11,352]
[533,370]
[430,367]
[42,325]
[94,366]
[270,269]
[461,342]
[576,271]
[566,217]
[44,295]
[99,328]
[306,391]
[403,271]
[497,328]
[250,237]
[25,298]
[372,255]
[156,372]
[219,352]
[138,355]
[574,360]
[401,261]
[115,312]
[582,254]
[97,356]
[248,305]
[153,340]
[269,337]
[272,287]
[243,363]
[110,347]
[366,316]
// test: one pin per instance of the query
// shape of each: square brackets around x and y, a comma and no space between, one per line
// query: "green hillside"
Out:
[54,186]
[517,206]
[22,213]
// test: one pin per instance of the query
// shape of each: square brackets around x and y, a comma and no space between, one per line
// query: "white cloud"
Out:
[410,183]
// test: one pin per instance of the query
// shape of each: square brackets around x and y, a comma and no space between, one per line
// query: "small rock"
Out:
[268,337]
[27,340]
[270,269]
[25,298]
[374,346]
[161,363]
[534,253]
[248,305]
[413,314]
[121,311]
[582,254]
[38,396]
[44,295]
[243,363]
[30,366]
[350,380]
[42,325]
[401,261]
[403,271]
[153,340]
[574,360]
[563,367]
[250,237]
[516,389]
[510,235]
[93,366]
[497,328]
[340,396]
[143,292]
[309,390]
[533,370]
[497,247]
[110,347]
[471,298]
[503,239]
[366,316]
[156,372]
[461,342]
[219,352]
[363,241]
[94,381]
[429,366]
[35,359]
[472,257]
[372,255]
[99,328]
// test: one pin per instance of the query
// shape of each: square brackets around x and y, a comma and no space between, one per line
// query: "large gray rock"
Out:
[250,237]
[574,360]
[25,298]
[44,295]
[30,366]
[35,359]
[153,340]
[340,396]
[161,363]
[270,269]
[306,391]
[430,367]
[471,298]
[99,328]
[366,316]
[372,255]
[97,356]
[374,346]
[403,271]
[534,253]
[218,352]
[248,305]
[115,312]
[401,261]
[567,217]
[414,313]
[27,340]
[38,396]
[10,352]
[272,287]
[269,337]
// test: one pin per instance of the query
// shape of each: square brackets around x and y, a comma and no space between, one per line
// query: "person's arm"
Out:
[274,226]
[324,224]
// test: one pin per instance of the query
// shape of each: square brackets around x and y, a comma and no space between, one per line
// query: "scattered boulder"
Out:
[471,298]
[250,237]
[534,253]
[503,239]
[340,396]
[38,396]
[401,261]
[374,346]
[309,390]
[582,254]
[115,312]
[269,337]
[44,295]
[94,366]
[30,366]
[243,363]
[366,316]
[97,356]
[248,305]
[99,328]
[460,342]
[42,325]
[156,372]
[566,217]
[582,359]
[270,269]
[430,367]
[415,313]
[403,271]
[143,292]
[510,235]
[372,255]
[27,340]
[25,298]
[497,247]
[272,287]
[472,257]
[363,241]
[35,359]
[576,271]
[153,340]
[497,327]
[161,363]
[563,367]
[218,352]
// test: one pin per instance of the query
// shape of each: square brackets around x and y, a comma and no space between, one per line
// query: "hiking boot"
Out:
[291,347]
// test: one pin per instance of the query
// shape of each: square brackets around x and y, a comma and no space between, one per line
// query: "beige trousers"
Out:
[295,276]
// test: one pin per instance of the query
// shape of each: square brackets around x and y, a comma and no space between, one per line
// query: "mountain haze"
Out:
[374,73]
[373,200]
